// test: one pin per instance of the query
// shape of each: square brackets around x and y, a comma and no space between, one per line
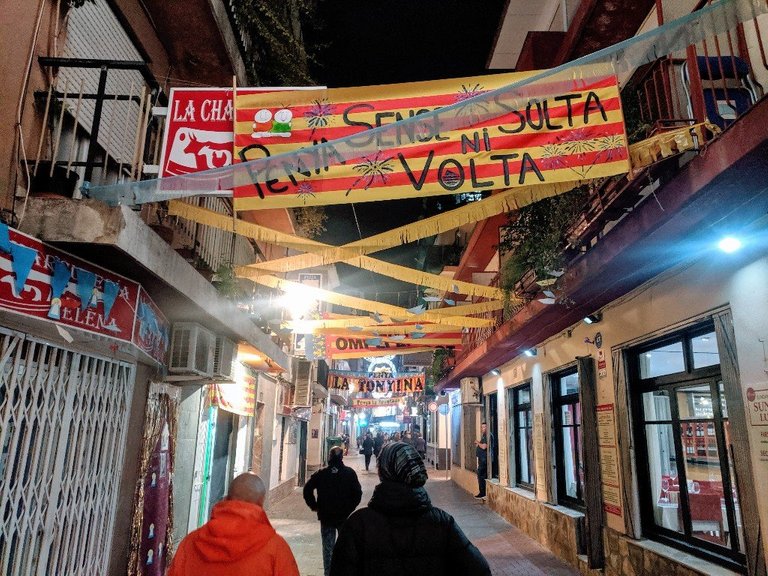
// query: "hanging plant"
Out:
[535,237]
[227,283]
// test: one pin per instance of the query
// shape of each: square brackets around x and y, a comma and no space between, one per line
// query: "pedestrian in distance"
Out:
[407,438]
[338,494]
[238,540]
[420,444]
[368,450]
[378,442]
[400,533]
[481,451]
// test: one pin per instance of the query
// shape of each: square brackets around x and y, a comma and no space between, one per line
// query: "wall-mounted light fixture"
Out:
[593,318]
[496,372]
[531,352]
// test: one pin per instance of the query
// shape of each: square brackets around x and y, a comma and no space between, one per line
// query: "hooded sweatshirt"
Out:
[238,540]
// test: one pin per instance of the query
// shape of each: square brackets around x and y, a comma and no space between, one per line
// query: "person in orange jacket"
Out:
[238,540]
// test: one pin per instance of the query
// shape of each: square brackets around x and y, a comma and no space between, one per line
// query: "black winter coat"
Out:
[368,446]
[338,493]
[400,533]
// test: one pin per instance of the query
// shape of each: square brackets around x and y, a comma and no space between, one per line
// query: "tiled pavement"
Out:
[508,550]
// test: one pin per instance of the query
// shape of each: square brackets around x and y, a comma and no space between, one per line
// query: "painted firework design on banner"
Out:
[570,131]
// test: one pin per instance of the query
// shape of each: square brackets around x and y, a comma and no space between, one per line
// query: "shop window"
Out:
[687,479]
[568,441]
[521,426]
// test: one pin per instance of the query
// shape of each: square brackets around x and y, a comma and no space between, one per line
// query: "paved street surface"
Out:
[508,550]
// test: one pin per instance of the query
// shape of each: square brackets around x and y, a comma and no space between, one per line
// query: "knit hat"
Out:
[399,462]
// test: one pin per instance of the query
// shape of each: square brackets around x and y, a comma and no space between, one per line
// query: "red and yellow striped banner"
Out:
[571,131]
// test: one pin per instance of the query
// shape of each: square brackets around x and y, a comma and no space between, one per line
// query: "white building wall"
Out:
[670,301]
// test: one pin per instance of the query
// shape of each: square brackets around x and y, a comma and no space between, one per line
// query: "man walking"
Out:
[368,449]
[481,451]
[238,540]
[338,494]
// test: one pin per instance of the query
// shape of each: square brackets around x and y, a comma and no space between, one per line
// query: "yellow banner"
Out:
[445,139]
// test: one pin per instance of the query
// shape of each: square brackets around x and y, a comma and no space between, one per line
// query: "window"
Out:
[688,494]
[568,442]
[521,426]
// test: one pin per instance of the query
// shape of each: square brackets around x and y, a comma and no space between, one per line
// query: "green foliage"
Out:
[637,128]
[227,283]
[310,221]
[276,55]
[439,368]
[535,236]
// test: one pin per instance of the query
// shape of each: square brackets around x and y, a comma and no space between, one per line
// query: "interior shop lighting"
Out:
[729,244]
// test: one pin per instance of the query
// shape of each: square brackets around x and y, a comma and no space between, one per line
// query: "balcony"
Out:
[718,80]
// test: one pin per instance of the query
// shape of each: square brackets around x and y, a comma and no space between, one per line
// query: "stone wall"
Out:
[466,479]
[626,557]
[556,528]
[280,491]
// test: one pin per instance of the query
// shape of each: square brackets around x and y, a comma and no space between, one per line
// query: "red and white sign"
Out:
[132,316]
[199,129]
[36,297]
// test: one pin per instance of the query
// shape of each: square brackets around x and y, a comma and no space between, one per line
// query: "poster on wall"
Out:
[609,458]
[151,330]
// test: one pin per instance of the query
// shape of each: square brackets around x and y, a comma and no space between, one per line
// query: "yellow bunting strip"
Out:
[263,234]
[302,291]
[382,352]
[669,143]
[467,309]
[505,201]
[383,331]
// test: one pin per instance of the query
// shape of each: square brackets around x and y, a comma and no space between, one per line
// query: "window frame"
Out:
[557,402]
[671,383]
[517,409]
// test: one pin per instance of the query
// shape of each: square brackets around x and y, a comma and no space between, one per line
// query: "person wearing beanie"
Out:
[338,494]
[400,533]
[238,540]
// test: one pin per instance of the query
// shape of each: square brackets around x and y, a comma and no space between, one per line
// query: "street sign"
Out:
[432,406]
[444,409]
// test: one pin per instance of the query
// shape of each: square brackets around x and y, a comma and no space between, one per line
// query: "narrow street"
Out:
[508,550]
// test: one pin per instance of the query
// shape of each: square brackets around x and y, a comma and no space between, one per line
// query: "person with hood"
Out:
[238,540]
[378,442]
[400,533]
[338,494]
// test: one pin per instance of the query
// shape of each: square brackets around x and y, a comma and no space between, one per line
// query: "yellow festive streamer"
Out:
[303,291]
[467,309]
[383,331]
[383,352]
[505,201]
[666,144]
[263,234]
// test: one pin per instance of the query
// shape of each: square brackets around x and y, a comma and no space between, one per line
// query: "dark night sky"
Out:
[367,43]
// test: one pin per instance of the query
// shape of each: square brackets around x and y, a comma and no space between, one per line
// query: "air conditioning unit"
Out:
[224,355]
[470,390]
[305,376]
[192,349]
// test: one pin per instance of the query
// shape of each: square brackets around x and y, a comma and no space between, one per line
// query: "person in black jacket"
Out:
[338,494]
[378,442]
[367,449]
[400,533]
